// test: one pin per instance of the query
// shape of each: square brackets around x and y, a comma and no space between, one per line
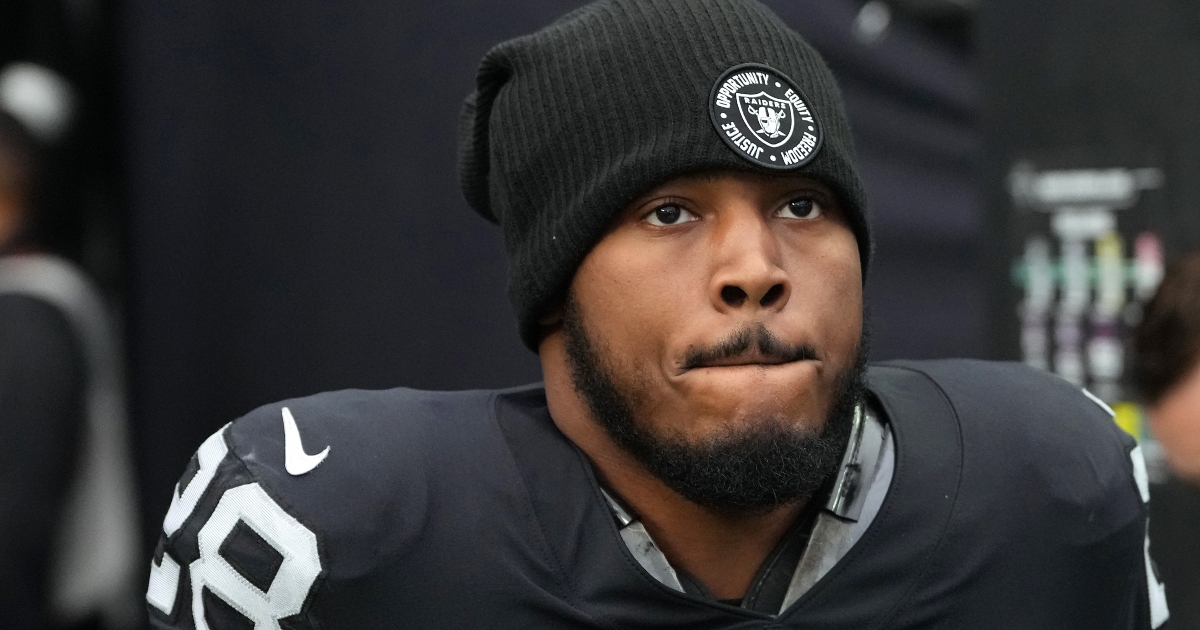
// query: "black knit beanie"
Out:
[570,124]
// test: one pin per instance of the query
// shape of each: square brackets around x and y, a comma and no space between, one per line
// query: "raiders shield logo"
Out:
[764,117]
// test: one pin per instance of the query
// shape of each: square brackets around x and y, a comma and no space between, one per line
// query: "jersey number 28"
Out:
[250,505]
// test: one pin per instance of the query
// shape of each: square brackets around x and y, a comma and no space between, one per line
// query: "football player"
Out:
[688,242]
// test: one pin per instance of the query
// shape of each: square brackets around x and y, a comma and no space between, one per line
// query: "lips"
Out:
[746,359]
[750,346]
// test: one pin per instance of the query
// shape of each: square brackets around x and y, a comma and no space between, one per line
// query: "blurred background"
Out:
[265,197]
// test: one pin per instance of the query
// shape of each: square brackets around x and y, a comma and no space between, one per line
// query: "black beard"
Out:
[766,464]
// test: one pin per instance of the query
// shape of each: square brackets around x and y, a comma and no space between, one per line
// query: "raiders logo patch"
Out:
[764,117]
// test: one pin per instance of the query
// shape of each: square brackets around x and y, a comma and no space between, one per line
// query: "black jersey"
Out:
[1013,504]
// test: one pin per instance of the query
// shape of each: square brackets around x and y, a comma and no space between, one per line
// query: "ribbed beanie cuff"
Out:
[570,124]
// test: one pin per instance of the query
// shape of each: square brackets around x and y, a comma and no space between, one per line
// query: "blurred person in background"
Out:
[68,533]
[1166,372]
[1167,350]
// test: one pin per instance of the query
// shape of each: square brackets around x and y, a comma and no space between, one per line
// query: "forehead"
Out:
[716,180]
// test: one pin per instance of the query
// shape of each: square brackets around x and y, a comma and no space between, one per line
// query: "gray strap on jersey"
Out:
[642,546]
[858,492]
[857,495]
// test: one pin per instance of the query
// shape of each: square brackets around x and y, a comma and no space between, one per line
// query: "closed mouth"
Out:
[752,346]
[748,359]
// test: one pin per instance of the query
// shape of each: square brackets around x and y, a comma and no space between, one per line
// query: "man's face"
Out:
[724,313]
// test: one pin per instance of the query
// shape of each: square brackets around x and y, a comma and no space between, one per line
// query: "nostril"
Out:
[733,296]
[772,295]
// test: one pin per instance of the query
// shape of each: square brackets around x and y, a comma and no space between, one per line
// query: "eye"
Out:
[801,208]
[669,214]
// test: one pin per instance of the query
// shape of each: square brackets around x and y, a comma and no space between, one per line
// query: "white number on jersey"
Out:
[296,543]
[251,505]
[1158,594]
[164,575]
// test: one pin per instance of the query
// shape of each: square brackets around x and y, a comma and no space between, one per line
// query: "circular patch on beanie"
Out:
[764,117]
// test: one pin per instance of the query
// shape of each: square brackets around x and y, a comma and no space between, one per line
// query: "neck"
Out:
[721,549]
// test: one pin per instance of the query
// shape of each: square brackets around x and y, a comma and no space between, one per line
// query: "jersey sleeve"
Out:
[1148,607]
[230,555]
[1151,597]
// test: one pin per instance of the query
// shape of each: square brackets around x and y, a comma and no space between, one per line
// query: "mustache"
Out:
[758,337]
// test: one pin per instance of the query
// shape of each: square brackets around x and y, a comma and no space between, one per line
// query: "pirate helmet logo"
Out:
[764,117]
[774,126]
[768,120]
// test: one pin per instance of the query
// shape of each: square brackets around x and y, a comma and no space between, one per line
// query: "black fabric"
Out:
[697,589]
[1175,526]
[189,472]
[770,584]
[251,556]
[42,379]
[1012,505]
[219,614]
[1045,511]
[571,123]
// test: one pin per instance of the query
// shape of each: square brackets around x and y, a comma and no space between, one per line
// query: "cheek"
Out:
[1179,436]
[630,295]
[1176,424]
[827,291]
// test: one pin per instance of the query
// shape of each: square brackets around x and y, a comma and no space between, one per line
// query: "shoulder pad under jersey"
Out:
[305,491]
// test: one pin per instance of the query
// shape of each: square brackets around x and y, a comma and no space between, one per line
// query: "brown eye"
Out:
[801,208]
[669,214]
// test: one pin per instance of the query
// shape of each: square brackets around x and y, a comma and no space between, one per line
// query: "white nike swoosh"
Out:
[295,460]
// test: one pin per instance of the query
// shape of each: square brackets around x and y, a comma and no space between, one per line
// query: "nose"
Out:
[748,275]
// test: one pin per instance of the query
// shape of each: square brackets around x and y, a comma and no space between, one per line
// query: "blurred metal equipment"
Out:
[1093,145]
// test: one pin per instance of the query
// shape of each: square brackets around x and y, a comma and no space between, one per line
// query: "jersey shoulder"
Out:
[1045,490]
[343,443]
[325,487]
[1013,401]
[343,459]
[1032,438]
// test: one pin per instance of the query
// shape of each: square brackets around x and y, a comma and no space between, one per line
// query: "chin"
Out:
[696,423]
